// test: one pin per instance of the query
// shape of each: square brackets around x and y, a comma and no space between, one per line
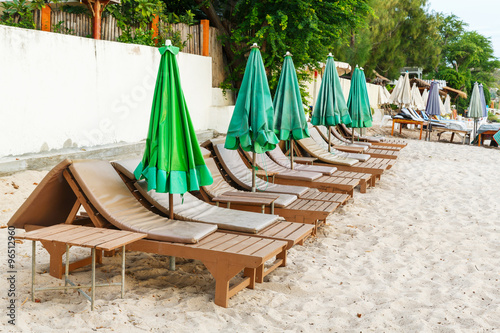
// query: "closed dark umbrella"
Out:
[251,125]
[289,118]
[483,101]
[433,107]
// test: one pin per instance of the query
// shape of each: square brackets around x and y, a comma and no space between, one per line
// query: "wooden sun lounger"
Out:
[297,204]
[372,151]
[59,196]
[190,208]
[374,166]
[280,158]
[320,139]
[380,145]
[374,140]
[317,180]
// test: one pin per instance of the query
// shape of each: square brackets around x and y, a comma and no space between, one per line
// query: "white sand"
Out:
[418,253]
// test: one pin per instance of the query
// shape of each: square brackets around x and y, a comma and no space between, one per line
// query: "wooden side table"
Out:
[407,121]
[97,239]
[249,198]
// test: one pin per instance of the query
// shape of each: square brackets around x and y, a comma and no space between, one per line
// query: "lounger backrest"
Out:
[313,149]
[109,195]
[238,171]
[50,203]
[220,185]
[264,162]
[279,157]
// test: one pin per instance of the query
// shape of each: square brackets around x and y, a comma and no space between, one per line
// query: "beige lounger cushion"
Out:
[192,209]
[264,162]
[50,203]
[219,186]
[279,157]
[236,168]
[111,197]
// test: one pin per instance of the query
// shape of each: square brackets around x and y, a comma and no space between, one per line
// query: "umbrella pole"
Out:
[253,171]
[171,216]
[352,134]
[291,152]
[329,138]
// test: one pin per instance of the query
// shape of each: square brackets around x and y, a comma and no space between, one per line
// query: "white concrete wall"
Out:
[60,91]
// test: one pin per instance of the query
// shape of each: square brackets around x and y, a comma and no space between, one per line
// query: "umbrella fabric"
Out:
[404,95]
[358,103]
[433,107]
[475,106]
[382,97]
[289,116]
[330,109]
[395,92]
[447,105]
[172,160]
[483,101]
[416,98]
[425,96]
[251,125]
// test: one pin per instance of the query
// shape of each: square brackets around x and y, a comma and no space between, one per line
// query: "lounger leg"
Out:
[362,186]
[123,271]
[172,263]
[92,291]
[251,273]
[223,272]
[66,268]
[55,250]
[33,269]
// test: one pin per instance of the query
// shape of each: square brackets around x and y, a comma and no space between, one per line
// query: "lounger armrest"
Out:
[245,200]
[251,194]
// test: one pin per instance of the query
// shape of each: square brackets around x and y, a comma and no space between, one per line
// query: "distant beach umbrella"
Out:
[358,102]
[425,96]
[393,98]
[483,101]
[416,98]
[330,108]
[475,106]
[404,96]
[289,118]
[433,107]
[447,105]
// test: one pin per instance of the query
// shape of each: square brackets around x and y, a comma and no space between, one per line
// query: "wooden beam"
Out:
[46,11]
[205,25]
[154,27]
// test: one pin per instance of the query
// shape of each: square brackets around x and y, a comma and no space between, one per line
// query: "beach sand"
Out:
[420,252]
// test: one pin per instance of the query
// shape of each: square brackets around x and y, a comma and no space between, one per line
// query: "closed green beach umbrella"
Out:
[251,125]
[358,102]
[289,118]
[330,108]
[172,160]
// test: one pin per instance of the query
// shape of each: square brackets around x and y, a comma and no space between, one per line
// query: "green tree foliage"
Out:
[399,33]
[19,13]
[306,28]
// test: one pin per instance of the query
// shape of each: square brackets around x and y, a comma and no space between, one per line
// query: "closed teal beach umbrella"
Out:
[251,125]
[330,108]
[358,102]
[289,118]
